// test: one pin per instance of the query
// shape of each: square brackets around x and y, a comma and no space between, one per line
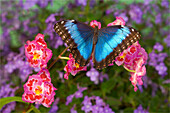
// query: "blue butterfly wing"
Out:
[79,37]
[111,42]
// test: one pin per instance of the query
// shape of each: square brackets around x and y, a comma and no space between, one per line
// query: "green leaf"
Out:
[108,85]
[14,39]
[7,100]
[0,30]
[113,101]
[57,4]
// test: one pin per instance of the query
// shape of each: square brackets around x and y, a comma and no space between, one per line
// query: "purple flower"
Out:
[54,107]
[140,88]
[69,99]
[162,56]
[158,47]
[97,109]
[51,18]
[109,11]
[163,90]
[107,109]
[162,69]
[87,107]
[77,94]
[81,2]
[18,61]
[92,3]
[37,106]
[166,81]
[140,110]
[153,58]
[29,4]
[72,110]
[93,74]
[7,91]
[43,3]
[56,42]
[102,76]
[86,100]
[31,29]
[147,2]
[24,71]
[136,14]
[98,106]
[158,19]
[99,101]
[157,60]
[154,88]
[167,40]
[145,81]
[61,76]
[165,3]
[8,108]
[10,67]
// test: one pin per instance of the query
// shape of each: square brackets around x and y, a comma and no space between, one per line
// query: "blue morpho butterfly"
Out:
[103,44]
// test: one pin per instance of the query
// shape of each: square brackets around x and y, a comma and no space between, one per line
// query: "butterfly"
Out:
[104,44]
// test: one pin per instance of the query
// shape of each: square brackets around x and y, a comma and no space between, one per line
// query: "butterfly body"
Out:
[102,44]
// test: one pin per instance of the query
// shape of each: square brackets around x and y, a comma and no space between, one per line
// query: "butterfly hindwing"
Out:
[111,42]
[79,37]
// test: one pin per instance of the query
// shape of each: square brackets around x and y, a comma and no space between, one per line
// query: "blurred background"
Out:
[22,20]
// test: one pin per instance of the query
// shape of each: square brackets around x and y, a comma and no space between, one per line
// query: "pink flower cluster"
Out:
[37,52]
[118,21]
[133,58]
[94,24]
[39,88]
[72,67]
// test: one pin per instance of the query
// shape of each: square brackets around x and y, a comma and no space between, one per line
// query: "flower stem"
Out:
[29,106]
[129,70]
[59,56]
[66,58]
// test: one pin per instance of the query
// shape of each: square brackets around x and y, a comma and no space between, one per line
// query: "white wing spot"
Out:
[127,35]
[56,26]
[122,26]
[60,33]
[72,20]
[132,29]
[68,31]
[62,22]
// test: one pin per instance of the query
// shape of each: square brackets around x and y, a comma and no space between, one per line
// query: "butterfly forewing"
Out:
[79,37]
[111,42]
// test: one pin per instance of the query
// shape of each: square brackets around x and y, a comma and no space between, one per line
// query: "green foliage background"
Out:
[117,91]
